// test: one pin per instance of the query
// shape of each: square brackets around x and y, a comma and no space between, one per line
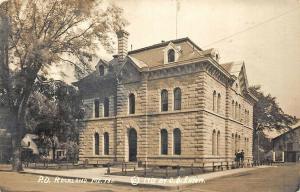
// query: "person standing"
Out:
[242,157]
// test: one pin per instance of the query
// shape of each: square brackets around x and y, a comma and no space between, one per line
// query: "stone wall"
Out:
[196,120]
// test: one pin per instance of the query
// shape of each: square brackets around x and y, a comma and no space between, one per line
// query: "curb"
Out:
[148,185]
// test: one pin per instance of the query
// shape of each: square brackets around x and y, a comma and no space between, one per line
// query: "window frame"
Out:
[164,99]
[177,141]
[218,143]
[214,142]
[106,107]
[96,108]
[96,143]
[177,98]
[164,142]
[219,103]
[171,55]
[131,103]
[105,143]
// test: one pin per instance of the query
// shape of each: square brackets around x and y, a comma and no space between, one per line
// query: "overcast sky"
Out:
[263,33]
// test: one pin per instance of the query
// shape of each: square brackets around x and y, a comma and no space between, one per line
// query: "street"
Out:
[272,179]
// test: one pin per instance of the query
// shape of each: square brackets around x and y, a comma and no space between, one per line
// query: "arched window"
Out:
[232,109]
[101,70]
[236,143]
[106,143]
[177,141]
[248,117]
[214,138]
[177,99]
[131,103]
[239,143]
[171,55]
[214,100]
[96,139]
[106,107]
[245,146]
[245,116]
[218,143]
[164,142]
[239,113]
[219,103]
[164,100]
[96,104]
[232,144]
[247,152]
[236,111]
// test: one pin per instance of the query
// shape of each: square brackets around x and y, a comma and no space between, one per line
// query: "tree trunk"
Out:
[17,136]
[53,154]
[17,151]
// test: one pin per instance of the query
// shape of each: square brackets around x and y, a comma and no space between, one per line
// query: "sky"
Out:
[265,34]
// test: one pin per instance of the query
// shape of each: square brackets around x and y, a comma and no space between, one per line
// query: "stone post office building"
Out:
[170,103]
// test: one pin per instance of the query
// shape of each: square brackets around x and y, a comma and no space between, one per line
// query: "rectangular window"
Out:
[177,99]
[96,108]
[106,143]
[106,107]
[96,139]
[164,142]
[164,100]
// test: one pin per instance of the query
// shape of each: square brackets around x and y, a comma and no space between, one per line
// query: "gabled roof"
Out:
[283,134]
[234,68]
[102,62]
[113,65]
[153,56]
[138,63]
[238,70]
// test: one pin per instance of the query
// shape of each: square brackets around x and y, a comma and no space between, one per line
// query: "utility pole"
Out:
[177,10]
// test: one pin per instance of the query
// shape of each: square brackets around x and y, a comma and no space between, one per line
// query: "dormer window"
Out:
[171,55]
[101,70]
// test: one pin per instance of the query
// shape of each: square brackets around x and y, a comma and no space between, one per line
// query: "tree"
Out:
[46,32]
[52,113]
[72,151]
[267,114]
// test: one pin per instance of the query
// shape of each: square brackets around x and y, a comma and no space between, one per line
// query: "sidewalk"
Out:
[99,173]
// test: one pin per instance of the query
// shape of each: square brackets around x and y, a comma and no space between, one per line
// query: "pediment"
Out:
[172,46]
[129,73]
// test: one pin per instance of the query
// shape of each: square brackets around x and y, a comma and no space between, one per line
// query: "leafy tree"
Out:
[46,32]
[267,114]
[72,151]
[52,112]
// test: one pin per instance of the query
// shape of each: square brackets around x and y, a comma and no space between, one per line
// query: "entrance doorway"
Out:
[132,142]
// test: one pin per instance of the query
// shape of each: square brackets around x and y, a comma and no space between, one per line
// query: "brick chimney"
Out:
[122,44]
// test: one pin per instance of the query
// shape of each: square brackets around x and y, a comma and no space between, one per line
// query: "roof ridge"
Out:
[163,44]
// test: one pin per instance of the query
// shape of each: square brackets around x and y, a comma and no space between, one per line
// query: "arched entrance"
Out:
[132,142]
